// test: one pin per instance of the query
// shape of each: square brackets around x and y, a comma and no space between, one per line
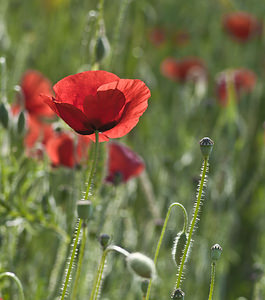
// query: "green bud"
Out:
[21,122]
[179,246]
[84,209]
[216,252]
[102,48]
[141,265]
[104,240]
[4,118]
[144,286]
[178,294]
[206,145]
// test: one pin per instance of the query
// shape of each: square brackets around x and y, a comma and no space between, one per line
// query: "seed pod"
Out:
[216,252]
[144,286]
[206,145]
[4,118]
[21,122]
[141,265]
[179,246]
[104,240]
[178,294]
[84,209]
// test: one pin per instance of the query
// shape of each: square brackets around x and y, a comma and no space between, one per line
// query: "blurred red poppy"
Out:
[243,80]
[157,36]
[123,163]
[190,68]
[63,151]
[99,100]
[241,25]
[33,83]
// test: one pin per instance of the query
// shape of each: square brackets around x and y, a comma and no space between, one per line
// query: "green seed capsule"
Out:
[4,118]
[179,246]
[144,286]
[84,209]
[178,294]
[216,252]
[104,240]
[206,145]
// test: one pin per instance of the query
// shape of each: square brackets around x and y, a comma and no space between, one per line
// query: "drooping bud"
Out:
[104,240]
[84,209]
[206,145]
[216,252]
[4,118]
[178,294]
[179,246]
[144,286]
[141,265]
[21,122]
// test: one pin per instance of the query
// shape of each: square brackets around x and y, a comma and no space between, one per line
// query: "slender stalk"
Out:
[99,275]
[15,278]
[72,257]
[79,265]
[82,250]
[193,222]
[212,281]
[162,236]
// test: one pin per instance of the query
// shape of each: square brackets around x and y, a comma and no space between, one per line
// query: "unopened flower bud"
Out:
[144,286]
[102,48]
[206,145]
[4,115]
[216,252]
[84,209]
[142,265]
[178,294]
[104,240]
[179,246]
[21,122]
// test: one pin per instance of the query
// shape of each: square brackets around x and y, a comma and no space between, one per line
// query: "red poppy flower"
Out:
[33,83]
[99,100]
[157,36]
[182,70]
[244,81]
[63,151]
[123,163]
[241,25]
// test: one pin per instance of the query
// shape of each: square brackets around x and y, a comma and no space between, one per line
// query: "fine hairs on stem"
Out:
[162,235]
[67,278]
[206,145]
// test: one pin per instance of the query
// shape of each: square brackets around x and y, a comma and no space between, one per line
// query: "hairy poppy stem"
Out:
[99,275]
[15,278]
[162,236]
[212,281]
[193,222]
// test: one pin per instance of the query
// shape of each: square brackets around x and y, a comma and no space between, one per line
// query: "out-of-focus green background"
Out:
[37,202]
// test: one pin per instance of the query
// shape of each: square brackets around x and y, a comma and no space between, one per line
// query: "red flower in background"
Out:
[62,150]
[33,83]
[99,100]
[241,25]
[182,70]
[157,36]
[243,80]
[123,163]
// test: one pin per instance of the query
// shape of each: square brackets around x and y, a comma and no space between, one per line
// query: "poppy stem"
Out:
[162,236]
[15,278]
[99,275]
[212,281]
[193,222]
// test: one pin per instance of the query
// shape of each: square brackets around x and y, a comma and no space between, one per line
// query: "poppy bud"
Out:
[179,246]
[141,265]
[104,240]
[84,209]
[144,286]
[102,48]
[4,115]
[206,145]
[216,252]
[21,122]
[178,294]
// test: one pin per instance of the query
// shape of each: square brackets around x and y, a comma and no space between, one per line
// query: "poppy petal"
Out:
[74,89]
